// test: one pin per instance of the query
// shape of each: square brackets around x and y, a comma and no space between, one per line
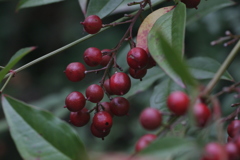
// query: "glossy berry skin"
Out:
[105,58]
[94,93]
[120,106]
[105,106]
[98,133]
[92,24]
[92,56]
[232,151]
[233,128]
[106,85]
[191,3]
[137,74]
[178,102]
[144,141]
[80,118]
[75,101]
[102,121]
[150,118]
[202,114]
[214,151]
[120,83]
[137,58]
[75,71]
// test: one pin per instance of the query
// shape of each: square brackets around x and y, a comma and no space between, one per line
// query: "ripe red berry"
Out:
[150,118]
[232,151]
[106,85]
[120,106]
[75,101]
[80,118]
[97,133]
[237,142]
[94,93]
[75,71]
[191,3]
[120,83]
[92,56]
[151,62]
[144,141]
[102,121]
[214,151]
[137,58]
[202,114]
[92,24]
[105,58]
[137,74]
[178,102]
[105,106]
[233,128]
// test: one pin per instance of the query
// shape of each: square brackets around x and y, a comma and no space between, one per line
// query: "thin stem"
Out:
[95,70]
[7,81]
[222,69]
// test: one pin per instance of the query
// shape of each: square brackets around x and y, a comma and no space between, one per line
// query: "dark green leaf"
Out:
[40,135]
[206,7]
[34,3]
[205,68]
[102,7]
[15,58]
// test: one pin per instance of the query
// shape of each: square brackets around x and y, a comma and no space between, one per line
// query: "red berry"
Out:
[94,93]
[150,118]
[102,121]
[237,142]
[233,128]
[105,58]
[202,114]
[92,56]
[151,62]
[75,71]
[178,102]
[120,106]
[137,74]
[191,3]
[120,83]
[106,85]
[232,151]
[97,133]
[92,24]
[144,141]
[80,118]
[105,106]
[214,151]
[137,58]
[75,101]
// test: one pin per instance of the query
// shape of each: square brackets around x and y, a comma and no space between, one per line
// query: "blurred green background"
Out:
[45,85]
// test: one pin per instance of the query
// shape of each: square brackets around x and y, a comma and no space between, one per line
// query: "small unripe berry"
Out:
[75,71]
[150,118]
[92,56]
[102,121]
[202,114]
[137,58]
[94,93]
[233,128]
[144,141]
[75,101]
[120,83]
[120,106]
[178,102]
[92,24]
[80,118]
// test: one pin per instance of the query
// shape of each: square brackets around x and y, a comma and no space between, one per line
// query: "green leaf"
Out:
[40,135]
[15,58]
[170,148]
[33,3]
[205,68]
[161,92]
[165,42]
[206,7]
[102,7]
